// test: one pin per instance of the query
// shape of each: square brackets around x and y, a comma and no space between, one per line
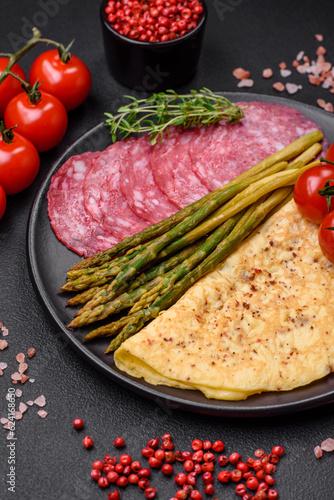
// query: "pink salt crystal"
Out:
[3,344]
[16,376]
[327,445]
[1,372]
[329,107]
[246,83]
[3,420]
[4,331]
[318,452]
[321,103]
[30,403]
[315,80]
[3,365]
[23,407]
[267,73]
[32,380]
[292,88]
[40,401]
[285,73]
[31,352]
[18,415]
[300,55]
[319,37]
[42,413]
[20,357]
[8,426]
[241,74]
[295,63]
[23,367]
[282,65]
[279,86]
[18,393]
[325,85]
[301,69]
[321,51]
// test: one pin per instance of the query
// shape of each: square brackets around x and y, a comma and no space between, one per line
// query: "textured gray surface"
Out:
[51,461]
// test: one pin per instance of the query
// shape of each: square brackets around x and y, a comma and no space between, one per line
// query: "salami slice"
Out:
[69,219]
[103,197]
[222,152]
[172,169]
[142,193]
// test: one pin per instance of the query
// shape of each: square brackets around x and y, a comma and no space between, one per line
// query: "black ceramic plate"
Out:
[49,260]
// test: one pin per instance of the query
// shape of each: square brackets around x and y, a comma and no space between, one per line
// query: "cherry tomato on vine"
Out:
[19,163]
[69,81]
[3,201]
[330,153]
[10,87]
[44,122]
[309,203]
[326,237]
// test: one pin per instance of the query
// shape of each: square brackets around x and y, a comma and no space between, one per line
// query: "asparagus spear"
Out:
[287,153]
[248,222]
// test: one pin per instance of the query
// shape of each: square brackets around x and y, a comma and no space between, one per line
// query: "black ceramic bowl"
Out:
[152,66]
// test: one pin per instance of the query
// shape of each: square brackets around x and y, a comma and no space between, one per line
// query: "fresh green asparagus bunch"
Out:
[148,272]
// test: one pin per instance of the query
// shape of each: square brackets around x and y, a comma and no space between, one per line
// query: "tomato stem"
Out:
[6,134]
[64,53]
[327,161]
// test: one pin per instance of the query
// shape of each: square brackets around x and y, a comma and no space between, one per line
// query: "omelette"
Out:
[261,321]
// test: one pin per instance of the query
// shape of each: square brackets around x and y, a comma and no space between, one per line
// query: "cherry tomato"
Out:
[3,201]
[19,164]
[326,237]
[309,203]
[330,153]
[70,82]
[10,86]
[43,123]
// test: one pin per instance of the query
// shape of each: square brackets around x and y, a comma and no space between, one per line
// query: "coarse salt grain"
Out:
[302,69]
[31,352]
[18,393]
[3,344]
[241,74]
[319,37]
[285,73]
[42,413]
[18,415]
[23,367]
[282,65]
[30,403]
[246,83]
[16,376]
[40,401]
[321,51]
[318,452]
[3,365]
[279,86]
[300,55]
[4,331]
[23,407]
[327,445]
[292,88]
[32,380]
[267,73]
[20,357]
[3,420]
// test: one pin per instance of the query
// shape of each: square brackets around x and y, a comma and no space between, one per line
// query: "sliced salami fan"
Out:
[69,218]
[172,170]
[142,193]
[103,197]
[222,152]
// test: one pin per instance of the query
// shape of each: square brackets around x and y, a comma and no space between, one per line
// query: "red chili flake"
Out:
[318,452]
[279,86]
[241,74]
[267,73]
[24,378]
[40,401]
[3,344]
[31,352]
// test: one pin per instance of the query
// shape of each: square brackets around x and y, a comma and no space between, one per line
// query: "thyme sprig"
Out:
[154,115]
